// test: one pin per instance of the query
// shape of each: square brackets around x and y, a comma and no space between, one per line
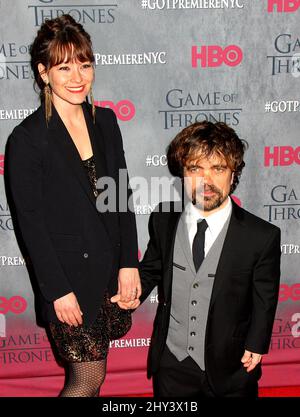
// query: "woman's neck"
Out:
[70,113]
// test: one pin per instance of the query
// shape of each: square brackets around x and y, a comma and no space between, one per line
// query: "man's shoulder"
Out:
[255,222]
[166,213]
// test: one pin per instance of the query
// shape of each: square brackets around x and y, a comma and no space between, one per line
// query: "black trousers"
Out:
[180,379]
[185,379]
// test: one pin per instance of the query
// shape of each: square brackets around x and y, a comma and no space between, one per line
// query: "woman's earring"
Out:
[93,106]
[48,102]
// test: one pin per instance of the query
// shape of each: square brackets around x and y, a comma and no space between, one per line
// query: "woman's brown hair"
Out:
[59,40]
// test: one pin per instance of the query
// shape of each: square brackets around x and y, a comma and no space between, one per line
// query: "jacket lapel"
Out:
[68,150]
[97,142]
[231,239]
[185,244]
[170,235]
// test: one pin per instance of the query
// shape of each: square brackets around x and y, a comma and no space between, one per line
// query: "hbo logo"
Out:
[124,109]
[215,56]
[15,304]
[282,155]
[287,6]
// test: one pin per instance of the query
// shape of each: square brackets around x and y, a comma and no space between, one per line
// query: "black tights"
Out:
[84,379]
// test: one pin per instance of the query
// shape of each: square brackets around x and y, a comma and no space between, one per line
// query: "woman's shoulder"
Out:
[102,112]
[35,122]
[31,128]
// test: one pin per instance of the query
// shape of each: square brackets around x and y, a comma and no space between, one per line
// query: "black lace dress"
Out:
[85,344]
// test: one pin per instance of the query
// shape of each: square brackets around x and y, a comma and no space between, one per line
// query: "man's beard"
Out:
[208,203]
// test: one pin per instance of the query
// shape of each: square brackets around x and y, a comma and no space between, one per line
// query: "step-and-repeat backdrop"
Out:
[161,65]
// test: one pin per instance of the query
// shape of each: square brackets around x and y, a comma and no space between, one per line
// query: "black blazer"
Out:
[72,246]
[243,300]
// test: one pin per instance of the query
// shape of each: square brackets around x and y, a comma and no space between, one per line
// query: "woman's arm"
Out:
[24,169]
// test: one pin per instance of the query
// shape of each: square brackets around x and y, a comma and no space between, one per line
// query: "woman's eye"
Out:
[64,68]
[86,66]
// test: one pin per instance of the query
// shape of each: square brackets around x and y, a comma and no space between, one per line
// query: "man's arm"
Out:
[266,277]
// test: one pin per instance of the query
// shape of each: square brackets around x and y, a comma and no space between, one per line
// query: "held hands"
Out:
[250,360]
[129,289]
[67,310]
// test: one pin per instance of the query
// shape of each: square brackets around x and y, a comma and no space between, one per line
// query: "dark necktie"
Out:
[198,244]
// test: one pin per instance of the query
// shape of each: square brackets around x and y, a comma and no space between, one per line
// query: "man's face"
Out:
[207,182]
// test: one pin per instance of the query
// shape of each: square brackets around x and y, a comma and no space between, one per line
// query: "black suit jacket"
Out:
[243,299]
[72,246]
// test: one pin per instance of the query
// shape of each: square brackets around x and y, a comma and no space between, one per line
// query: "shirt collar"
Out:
[215,220]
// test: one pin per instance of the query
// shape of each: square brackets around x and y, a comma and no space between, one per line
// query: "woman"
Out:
[81,256]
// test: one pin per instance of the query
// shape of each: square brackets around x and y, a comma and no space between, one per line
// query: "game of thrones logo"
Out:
[285,204]
[286,59]
[82,13]
[24,349]
[185,108]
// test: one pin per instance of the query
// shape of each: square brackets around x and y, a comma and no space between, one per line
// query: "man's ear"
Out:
[42,72]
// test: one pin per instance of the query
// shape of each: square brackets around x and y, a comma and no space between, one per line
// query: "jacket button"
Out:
[194,302]
[118,244]
[85,255]
[196,285]
[193,318]
[191,348]
[193,334]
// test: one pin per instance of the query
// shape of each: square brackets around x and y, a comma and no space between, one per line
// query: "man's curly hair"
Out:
[202,140]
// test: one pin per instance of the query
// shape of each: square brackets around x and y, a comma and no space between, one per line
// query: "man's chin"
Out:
[207,205]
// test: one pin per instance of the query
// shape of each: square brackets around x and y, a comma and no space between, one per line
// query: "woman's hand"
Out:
[131,305]
[67,310]
[129,288]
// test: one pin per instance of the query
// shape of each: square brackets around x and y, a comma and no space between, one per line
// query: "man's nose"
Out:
[206,175]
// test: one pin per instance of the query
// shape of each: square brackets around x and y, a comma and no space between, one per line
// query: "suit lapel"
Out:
[170,235]
[185,244]
[231,240]
[97,142]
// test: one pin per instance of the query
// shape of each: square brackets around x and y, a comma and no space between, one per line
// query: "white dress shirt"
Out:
[215,223]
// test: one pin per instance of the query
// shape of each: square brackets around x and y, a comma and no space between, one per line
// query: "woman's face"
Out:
[70,81]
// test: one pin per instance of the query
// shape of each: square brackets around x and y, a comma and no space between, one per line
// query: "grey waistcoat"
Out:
[191,294]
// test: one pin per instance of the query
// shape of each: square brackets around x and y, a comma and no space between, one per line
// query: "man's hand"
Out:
[129,286]
[250,360]
[67,310]
[131,305]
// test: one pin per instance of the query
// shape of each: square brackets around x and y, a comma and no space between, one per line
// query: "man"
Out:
[217,269]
